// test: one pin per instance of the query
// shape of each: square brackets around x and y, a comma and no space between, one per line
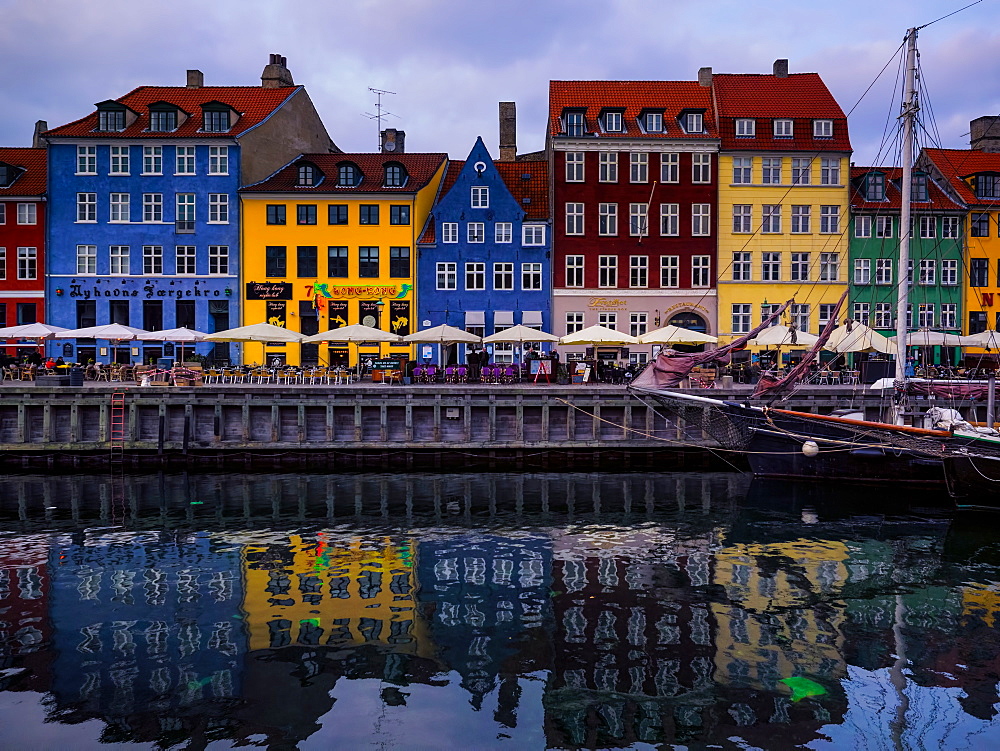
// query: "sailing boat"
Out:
[801,445]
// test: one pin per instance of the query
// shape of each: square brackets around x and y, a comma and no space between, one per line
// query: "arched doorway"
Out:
[694,322]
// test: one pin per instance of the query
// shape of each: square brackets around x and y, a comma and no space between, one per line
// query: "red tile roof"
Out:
[938,200]
[420,168]
[32,182]
[429,235]
[633,96]
[254,103]
[528,180]
[956,164]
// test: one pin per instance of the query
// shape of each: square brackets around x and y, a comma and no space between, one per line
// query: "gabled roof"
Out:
[254,103]
[938,200]
[528,180]
[32,181]
[420,169]
[956,164]
[672,97]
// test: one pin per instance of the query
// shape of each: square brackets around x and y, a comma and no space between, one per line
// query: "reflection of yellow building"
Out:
[330,240]
[331,592]
[982,601]
[772,628]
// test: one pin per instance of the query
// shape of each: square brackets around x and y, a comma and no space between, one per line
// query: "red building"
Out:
[634,180]
[22,237]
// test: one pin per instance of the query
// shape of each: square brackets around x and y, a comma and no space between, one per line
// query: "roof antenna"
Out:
[379,112]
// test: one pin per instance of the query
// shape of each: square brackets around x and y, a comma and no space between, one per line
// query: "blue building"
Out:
[484,256]
[144,225]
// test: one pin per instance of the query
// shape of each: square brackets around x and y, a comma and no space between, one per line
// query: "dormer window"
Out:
[307,176]
[987,186]
[612,121]
[746,127]
[875,186]
[918,190]
[693,122]
[348,175]
[822,128]
[216,117]
[395,176]
[575,123]
[162,119]
[783,128]
[652,122]
[111,118]
[8,174]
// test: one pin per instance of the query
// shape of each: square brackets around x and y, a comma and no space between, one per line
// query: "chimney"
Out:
[508,131]
[195,79]
[36,139]
[984,134]
[393,141]
[781,69]
[276,74]
[705,77]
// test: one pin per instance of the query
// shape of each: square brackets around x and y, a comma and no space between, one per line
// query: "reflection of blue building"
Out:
[484,257]
[146,625]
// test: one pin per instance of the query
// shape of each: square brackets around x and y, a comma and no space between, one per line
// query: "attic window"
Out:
[875,186]
[395,176]
[783,128]
[612,121]
[822,128]
[746,127]
[162,119]
[111,119]
[653,122]
[216,119]
[988,185]
[8,174]
[918,190]
[306,176]
[348,175]
[693,122]
[575,124]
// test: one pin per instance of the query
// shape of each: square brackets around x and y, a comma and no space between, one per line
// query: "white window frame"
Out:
[742,170]
[27,263]
[670,272]
[949,272]
[638,167]
[120,258]
[574,322]
[86,160]
[475,232]
[653,122]
[607,167]
[575,271]
[218,160]
[949,316]
[503,276]
[860,312]
[607,219]
[184,160]
[701,169]
[531,277]
[770,223]
[638,323]
[574,218]
[475,276]
[27,213]
[701,220]
[829,267]
[701,271]
[670,167]
[152,208]
[925,315]
[863,225]
[86,260]
[612,122]
[784,128]
[770,170]
[862,271]
[503,232]
[446,275]
[638,272]
[449,232]
[185,260]
[928,227]
[801,219]
[770,266]
[532,235]
[799,269]
[480,197]
[152,260]
[742,218]
[86,208]
[218,260]
[746,127]
[670,216]
[185,208]
[951,226]
[799,314]
[120,163]
[742,266]
[802,170]
[928,271]
[883,316]
[608,320]
[829,220]
[883,226]
[883,272]
[575,166]
[822,128]
[152,160]
[638,219]
[120,208]
[218,208]
[740,317]
[694,122]
[829,171]
[607,272]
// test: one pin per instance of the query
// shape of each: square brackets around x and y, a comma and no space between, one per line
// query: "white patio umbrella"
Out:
[32,331]
[860,338]
[256,332]
[928,338]
[178,335]
[443,336]
[779,336]
[676,335]
[356,333]
[988,339]
[520,334]
[597,335]
[114,332]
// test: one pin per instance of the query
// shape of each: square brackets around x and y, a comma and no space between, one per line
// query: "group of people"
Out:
[33,359]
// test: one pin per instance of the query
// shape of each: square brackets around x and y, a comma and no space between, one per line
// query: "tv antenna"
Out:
[379,111]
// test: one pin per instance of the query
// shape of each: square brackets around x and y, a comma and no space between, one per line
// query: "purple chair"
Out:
[508,374]
[418,374]
[461,374]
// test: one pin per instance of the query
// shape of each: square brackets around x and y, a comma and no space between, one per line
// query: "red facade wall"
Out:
[13,236]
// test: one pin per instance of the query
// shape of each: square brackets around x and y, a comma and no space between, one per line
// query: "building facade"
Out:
[634,189]
[145,230]
[484,257]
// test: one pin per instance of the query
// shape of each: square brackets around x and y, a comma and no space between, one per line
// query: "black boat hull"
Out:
[973,480]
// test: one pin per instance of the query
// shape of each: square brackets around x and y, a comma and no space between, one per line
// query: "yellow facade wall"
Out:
[756,291]
[985,299]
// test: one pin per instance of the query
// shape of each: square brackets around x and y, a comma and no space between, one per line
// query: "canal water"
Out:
[477,611]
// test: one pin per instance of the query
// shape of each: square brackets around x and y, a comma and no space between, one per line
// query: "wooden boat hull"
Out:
[973,480]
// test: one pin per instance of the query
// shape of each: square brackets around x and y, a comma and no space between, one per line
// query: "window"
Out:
[742,267]
[670,219]
[575,125]
[184,160]
[305,213]
[447,276]
[27,312]
[918,187]
[979,224]
[741,318]
[701,267]
[800,219]
[152,207]
[928,271]
[574,323]
[110,119]
[27,213]
[533,234]
[700,219]
[336,213]
[215,120]
[979,271]
[274,260]
[394,176]
[822,128]
[986,186]
[701,168]
[925,315]
[184,221]
[829,173]
[475,232]
[613,122]
[883,226]
[608,167]
[829,219]
[86,160]
[218,160]
[368,262]
[638,167]
[480,197]
[977,321]
[928,227]
[120,260]
[574,218]
[771,223]
[693,123]
[348,176]
[801,171]
[3,213]
[152,160]
[863,226]
[742,170]
[883,271]
[276,213]
[742,217]
[746,127]
[503,276]
[770,267]
[670,168]
[767,310]
[654,122]
[800,267]
[475,276]
[607,218]
[799,315]
[184,260]
[638,271]
[503,232]
[883,315]
[336,261]
[860,312]
[27,262]
[399,261]
[218,208]
[638,221]
[949,316]
[670,271]
[368,214]
[449,232]
[162,119]
[399,215]
[829,267]
[218,259]
[86,259]
[783,129]
[152,259]
[119,160]
[306,261]
[607,270]
[574,166]
[825,314]
[531,276]
[637,323]
[949,272]
[306,176]
[950,227]
[120,207]
[862,271]
[574,271]
[608,320]
[771,170]
[875,186]
[86,207]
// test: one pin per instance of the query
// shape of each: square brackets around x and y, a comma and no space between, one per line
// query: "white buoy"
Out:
[810,449]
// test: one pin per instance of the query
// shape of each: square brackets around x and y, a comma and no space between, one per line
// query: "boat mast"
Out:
[909,113]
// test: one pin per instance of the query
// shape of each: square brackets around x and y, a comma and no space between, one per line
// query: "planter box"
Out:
[52,380]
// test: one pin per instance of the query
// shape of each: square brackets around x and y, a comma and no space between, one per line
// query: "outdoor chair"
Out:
[462,374]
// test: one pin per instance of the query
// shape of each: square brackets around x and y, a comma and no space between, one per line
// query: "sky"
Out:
[450,62]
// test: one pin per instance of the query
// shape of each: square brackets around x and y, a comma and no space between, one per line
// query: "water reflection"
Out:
[544,610]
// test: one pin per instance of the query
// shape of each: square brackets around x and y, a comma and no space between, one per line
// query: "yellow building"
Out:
[330,240]
[784,172]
